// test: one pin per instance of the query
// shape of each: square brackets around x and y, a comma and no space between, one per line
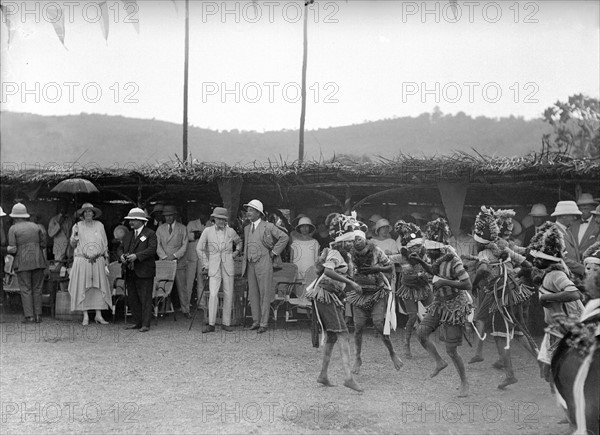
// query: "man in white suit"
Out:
[263,242]
[585,231]
[566,213]
[215,249]
[172,245]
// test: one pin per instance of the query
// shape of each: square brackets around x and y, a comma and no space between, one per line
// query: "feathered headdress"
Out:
[486,228]
[437,234]
[504,219]
[342,228]
[410,234]
[550,245]
[592,254]
[534,243]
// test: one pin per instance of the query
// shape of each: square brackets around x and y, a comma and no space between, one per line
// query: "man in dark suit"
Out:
[263,243]
[137,254]
[566,213]
[539,215]
[585,231]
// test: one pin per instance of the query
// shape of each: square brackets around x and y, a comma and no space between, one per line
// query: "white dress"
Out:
[305,254]
[88,281]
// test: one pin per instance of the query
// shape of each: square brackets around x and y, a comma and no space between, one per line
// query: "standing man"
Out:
[216,253]
[27,243]
[566,213]
[137,253]
[156,217]
[59,229]
[192,258]
[585,231]
[539,215]
[263,242]
[172,245]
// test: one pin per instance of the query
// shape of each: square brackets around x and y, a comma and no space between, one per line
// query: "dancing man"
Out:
[414,281]
[373,273]
[451,305]
[328,294]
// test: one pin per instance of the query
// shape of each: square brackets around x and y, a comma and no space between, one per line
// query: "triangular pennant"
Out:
[453,196]
[104,20]
[57,18]
[132,8]
[9,25]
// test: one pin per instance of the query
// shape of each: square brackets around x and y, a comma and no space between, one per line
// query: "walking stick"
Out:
[199,300]
[245,305]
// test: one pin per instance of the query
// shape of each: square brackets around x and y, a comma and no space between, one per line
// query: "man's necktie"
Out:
[170,228]
[585,221]
[252,227]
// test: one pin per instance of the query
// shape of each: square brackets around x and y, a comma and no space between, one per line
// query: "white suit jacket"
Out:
[214,253]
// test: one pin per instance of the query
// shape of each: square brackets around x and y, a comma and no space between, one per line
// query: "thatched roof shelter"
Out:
[340,182]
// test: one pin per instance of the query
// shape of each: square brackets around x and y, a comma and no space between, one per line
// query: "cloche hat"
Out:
[88,206]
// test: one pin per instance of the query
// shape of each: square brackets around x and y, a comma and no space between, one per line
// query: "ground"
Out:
[60,377]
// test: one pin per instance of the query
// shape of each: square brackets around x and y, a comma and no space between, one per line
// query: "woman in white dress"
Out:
[304,250]
[88,281]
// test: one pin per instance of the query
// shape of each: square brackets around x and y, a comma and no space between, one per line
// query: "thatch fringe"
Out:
[407,168]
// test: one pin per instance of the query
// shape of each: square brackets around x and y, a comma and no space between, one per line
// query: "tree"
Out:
[576,127]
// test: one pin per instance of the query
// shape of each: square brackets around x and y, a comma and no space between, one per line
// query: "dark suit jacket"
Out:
[591,236]
[144,247]
[571,255]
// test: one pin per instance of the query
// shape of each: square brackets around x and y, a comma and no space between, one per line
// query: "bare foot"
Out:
[498,365]
[325,381]
[464,390]
[476,359]
[397,362]
[357,365]
[438,368]
[506,382]
[351,383]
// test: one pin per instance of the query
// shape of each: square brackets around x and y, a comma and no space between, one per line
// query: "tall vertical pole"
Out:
[304,60]
[185,80]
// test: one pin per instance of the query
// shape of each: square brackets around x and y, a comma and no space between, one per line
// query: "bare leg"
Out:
[506,359]
[478,357]
[388,344]
[323,379]
[410,325]
[460,368]
[423,334]
[360,321]
[345,350]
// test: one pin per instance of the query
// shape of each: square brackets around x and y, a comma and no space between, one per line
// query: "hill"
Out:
[114,140]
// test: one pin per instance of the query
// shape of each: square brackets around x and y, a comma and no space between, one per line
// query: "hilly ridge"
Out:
[106,140]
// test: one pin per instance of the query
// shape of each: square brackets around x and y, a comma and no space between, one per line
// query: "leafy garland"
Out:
[580,336]
[92,259]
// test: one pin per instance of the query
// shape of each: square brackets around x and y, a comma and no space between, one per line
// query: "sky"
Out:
[367,60]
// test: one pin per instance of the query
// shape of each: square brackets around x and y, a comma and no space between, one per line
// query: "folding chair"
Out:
[284,282]
[163,285]
[299,301]
[117,285]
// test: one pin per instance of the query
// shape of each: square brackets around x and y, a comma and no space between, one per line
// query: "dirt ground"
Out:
[61,377]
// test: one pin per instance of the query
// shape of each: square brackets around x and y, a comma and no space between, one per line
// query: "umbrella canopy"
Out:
[74,186]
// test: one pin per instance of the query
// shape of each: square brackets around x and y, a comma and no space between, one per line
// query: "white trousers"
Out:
[214,284]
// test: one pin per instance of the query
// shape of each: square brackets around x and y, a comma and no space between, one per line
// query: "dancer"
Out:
[499,283]
[373,274]
[451,305]
[414,281]
[328,295]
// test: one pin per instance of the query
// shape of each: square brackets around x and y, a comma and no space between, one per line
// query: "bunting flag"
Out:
[104,20]
[57,17]
[9,25]
[132,8]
